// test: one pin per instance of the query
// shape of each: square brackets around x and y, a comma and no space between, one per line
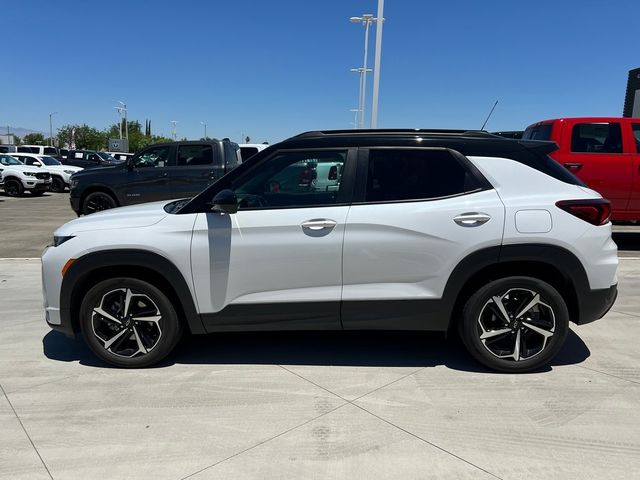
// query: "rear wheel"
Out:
[98,201]
[13,187]
[57,185]
[129,323]
[515,324]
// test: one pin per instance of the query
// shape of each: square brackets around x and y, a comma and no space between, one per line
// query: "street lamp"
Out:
[119,109]
[126,124]
[356,112]
[367,19]
[174,122]
[376,66]
[205,129]
[51,129]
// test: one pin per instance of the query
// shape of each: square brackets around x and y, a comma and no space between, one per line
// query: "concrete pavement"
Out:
[315,405]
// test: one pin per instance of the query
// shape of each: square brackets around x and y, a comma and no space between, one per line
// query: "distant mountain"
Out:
[20,132]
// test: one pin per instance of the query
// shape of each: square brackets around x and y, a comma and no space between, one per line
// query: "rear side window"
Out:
[26,150]
[538,132]
[248,152]
[191,155]
[50,151]
[636,135]
[397,175]
[596,138]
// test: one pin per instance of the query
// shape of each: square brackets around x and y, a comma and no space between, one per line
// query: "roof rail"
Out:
[396,131]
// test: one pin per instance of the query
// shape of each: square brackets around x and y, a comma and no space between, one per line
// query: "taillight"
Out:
[596,211]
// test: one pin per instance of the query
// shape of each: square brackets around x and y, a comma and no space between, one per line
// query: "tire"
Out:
[13,187]
[57,185]
[514,344]
[97,202]
[115,335]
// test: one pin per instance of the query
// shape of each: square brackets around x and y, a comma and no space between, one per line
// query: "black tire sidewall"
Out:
[57,185]
[98,194]
[170,324]
[468,324]
[19,188]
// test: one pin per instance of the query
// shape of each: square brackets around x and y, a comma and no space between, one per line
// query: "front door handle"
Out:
[319,224]
[573,167]
[472,219]
[163,175]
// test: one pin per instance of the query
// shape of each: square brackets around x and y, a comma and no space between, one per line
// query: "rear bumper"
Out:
[595,304]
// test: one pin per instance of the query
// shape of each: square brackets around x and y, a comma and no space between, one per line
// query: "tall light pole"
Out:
[356,112]
[119,109]
[205,129]
[126,124]
[174,122]
[366,20]
[376,66]
[51,129]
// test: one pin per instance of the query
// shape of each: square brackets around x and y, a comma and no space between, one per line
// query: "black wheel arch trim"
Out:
[82,267]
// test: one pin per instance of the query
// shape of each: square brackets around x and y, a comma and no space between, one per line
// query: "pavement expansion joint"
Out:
[25,431]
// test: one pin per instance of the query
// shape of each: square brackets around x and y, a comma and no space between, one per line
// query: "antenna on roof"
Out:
[489,116]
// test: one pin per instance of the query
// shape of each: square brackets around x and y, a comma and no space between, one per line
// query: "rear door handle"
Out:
[574,167]
[472,219]
[319,224]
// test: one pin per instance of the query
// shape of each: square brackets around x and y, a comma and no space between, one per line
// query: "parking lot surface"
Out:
[307,405]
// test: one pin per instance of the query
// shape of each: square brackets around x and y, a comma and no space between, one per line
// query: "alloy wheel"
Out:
[127,323]
[516,325]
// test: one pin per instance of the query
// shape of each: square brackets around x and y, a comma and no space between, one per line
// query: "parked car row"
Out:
[33,173]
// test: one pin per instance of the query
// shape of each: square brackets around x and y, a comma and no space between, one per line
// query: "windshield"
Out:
[8,160]
[50,161]
[106,157]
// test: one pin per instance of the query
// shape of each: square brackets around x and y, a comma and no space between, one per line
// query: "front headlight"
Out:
[74,182]
[69,172]
[30,174]
[60,239]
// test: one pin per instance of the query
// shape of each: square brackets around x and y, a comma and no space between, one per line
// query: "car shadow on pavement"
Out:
[363,348]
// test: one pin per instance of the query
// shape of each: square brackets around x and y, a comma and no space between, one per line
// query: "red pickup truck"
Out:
[604,152]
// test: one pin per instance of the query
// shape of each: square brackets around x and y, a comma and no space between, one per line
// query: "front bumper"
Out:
[595,304]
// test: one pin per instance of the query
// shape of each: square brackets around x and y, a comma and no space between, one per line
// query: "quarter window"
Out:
[396,175]
[596,138]
[190,155]
[293,179]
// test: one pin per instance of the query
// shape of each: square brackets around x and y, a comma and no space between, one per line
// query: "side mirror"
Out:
[225,201]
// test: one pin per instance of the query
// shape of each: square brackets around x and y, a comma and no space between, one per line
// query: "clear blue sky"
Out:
[274,68]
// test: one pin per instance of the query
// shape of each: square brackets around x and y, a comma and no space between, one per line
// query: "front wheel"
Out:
[13,188]
[514,324]
[98,201]
[57,185]
[129,323]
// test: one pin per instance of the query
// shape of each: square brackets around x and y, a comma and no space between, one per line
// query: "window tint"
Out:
[49,151]
[230,156]
[26,150]
[596,138]
[636,134]
[396,175]
[293,179]
[539,132]
[154,157]
[31,161]
[191,155]
[247,152]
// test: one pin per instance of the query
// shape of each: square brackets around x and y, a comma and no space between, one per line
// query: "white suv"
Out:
[60,174]
[424,230]
[16,177]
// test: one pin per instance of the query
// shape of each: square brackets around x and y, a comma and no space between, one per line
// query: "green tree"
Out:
[85,137]
[33,139]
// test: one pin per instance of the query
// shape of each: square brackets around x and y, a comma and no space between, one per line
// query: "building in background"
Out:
[7,139]
[632,98]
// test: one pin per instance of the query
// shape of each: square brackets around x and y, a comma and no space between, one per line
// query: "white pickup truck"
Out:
[60,174]
[16,177]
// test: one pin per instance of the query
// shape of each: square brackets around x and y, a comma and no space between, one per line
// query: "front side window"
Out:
[50,161]
[596,138]
[398,175]
[192,155]
[31,161]
[157,157]
[293,179]
[636,135]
